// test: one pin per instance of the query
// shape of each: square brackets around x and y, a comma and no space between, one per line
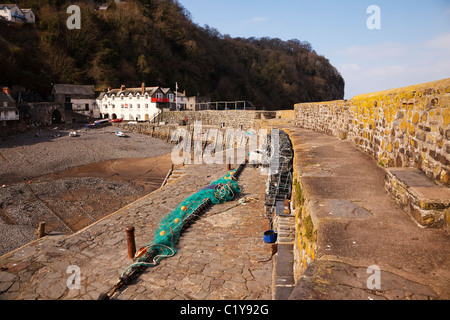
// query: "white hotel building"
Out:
[135,104]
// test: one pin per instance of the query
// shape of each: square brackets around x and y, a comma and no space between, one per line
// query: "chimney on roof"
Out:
[143,87]
[122,88]
[7,91]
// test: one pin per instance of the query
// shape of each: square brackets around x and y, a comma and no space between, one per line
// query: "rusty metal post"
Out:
[131,243]
[41,230]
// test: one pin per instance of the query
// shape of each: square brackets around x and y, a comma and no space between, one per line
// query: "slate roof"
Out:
[5,98]
[9,6]
[116,92]
[85,90]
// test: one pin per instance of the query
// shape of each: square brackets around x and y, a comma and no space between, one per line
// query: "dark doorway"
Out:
[56,117]
[68,102]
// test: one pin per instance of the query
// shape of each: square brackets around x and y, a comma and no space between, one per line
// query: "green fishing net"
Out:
[171,225]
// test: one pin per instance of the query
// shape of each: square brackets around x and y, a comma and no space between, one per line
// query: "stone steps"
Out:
[177,173]
[286,229]
[284,282]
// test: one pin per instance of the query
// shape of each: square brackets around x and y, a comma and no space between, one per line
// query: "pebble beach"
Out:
[72,182]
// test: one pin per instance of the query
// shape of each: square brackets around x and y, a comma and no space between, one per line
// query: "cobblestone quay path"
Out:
[220,257]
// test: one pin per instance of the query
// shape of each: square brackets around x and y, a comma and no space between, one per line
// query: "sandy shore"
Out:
[69,183]
[146,174]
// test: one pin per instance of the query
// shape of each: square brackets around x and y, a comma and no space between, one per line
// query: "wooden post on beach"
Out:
[167,176]
[41,230]
[131,243]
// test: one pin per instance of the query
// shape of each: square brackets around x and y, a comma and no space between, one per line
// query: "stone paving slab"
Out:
[426,201]
[335,280]
[412,177]
[221,256]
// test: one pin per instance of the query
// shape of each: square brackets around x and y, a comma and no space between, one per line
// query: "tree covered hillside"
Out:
[156,42]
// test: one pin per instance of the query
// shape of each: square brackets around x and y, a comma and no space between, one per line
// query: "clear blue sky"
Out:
[412,46]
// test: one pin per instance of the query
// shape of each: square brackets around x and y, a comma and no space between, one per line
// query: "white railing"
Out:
[155,116]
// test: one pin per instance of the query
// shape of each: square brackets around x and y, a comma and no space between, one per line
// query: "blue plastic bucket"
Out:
[270,236]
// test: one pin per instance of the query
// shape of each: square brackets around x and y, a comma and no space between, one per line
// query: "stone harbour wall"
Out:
[405,127]
[221,120]
[401,128]
[246,119]
[305,245]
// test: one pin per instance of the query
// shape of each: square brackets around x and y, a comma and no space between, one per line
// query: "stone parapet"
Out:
[405,127]
[350,232]
[244,119]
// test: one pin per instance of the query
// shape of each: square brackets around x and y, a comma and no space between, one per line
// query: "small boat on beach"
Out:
[117,120]
[73,134]
[120,134]
[97,123]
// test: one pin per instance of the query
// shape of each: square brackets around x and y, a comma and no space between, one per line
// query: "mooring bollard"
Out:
[131,242]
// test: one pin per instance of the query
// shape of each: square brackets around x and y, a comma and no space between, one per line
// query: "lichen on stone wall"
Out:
[407,127]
